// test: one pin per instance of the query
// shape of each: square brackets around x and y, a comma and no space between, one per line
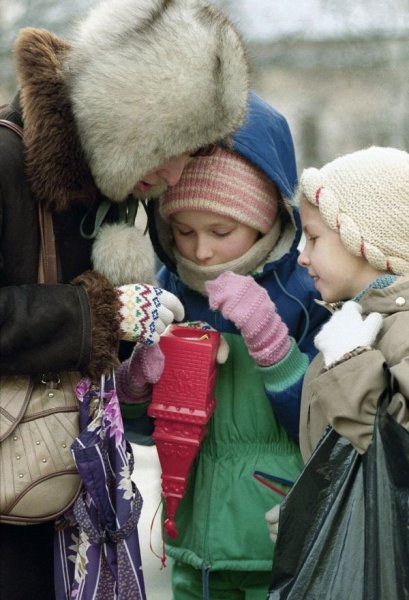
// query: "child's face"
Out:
[337,274]
[208,239]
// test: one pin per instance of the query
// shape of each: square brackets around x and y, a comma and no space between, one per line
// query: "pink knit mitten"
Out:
[135,376]
[241,300]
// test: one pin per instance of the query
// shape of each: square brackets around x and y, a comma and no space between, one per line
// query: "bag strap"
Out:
[13,126]
[48,257]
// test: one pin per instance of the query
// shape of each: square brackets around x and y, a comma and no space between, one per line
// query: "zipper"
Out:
[205,582]
[206,556]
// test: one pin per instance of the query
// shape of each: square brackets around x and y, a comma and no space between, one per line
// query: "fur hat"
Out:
[227,184]
[365,196]
[153,79]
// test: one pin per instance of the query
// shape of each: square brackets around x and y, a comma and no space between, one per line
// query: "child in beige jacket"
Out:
[355,216]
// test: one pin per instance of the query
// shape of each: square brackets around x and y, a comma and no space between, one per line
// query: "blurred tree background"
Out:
[337,69]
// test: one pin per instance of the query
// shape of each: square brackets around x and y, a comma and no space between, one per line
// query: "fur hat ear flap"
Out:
[124,255]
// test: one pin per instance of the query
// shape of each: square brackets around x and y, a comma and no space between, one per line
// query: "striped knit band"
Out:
[226,184]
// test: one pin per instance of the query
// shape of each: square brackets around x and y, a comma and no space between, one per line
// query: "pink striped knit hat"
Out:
[227,184]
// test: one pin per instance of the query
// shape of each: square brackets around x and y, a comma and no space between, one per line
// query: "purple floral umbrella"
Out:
[97,553]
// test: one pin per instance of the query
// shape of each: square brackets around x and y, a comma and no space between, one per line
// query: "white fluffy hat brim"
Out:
[150,80]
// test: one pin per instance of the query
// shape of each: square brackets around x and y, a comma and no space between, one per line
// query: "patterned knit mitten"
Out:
[146,311]
[241,300]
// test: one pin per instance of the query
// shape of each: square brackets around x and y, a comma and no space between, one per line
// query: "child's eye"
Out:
[312,238]
[184,232]
[222,233]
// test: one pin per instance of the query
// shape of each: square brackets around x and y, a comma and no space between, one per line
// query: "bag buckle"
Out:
[51,380]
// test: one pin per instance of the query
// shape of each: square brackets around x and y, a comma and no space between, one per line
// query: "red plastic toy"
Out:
[182,403]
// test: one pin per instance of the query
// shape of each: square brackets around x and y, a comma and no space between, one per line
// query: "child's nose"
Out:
[203,249]
[303,259]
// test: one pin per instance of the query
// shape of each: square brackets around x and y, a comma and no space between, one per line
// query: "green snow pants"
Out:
[188,584]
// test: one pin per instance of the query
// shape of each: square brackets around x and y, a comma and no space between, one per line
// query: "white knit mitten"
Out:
[347,330]
[272,517]
[145,312]
[223,349]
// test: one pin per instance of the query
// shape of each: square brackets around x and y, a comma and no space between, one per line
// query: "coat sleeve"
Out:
[164,279]
[46,328]
[348,394]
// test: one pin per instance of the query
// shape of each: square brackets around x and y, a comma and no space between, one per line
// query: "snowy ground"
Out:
[147,477]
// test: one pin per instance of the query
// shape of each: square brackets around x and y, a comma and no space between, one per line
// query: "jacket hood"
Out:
[265,140]
[150,80]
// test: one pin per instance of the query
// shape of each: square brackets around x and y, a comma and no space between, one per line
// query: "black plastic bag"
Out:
[344,526]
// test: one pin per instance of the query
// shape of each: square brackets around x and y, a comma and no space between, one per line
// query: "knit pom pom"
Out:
[124,255]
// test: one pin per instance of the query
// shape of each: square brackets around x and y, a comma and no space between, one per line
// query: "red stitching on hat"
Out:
[362,249]
[317,196]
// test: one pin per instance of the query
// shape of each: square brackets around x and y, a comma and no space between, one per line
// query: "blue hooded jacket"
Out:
[255,424]
[265,140]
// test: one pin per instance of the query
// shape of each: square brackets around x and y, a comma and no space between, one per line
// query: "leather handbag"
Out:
[39,420]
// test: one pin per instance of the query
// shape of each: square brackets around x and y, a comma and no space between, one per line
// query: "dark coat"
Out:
[47,328]
[75,324]
[44,327]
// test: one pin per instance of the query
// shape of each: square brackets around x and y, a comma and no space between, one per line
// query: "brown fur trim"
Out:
[56,167]
[105,323]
